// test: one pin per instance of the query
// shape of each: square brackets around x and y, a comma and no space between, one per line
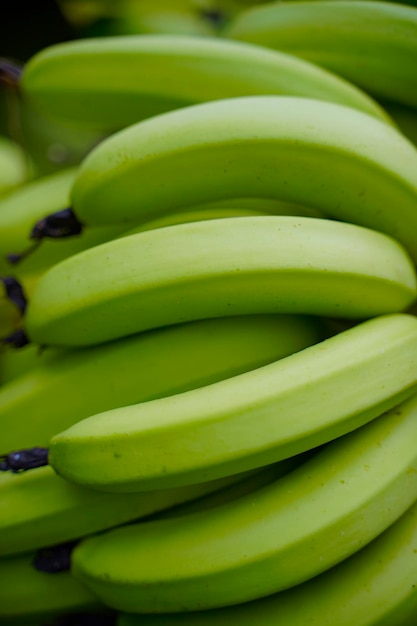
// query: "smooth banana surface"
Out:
[39,509]
[26,592]
[110,82]
[14,167]
[279,536]
[216,268]
[322,155]
[70,385]
[373,587]
[247,421]
[236,207]
[371,44]
[250,482]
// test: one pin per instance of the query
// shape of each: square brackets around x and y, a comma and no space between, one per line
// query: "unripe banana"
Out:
[215,268]
[278,537]
[70,385]
[373,587]
[110,82]
[372,44]
[40,509]
[250,420]
[27,593]
[321,155]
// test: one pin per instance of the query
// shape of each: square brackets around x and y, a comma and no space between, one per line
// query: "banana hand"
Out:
[278,537]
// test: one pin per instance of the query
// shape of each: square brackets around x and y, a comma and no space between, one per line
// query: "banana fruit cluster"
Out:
[208,371]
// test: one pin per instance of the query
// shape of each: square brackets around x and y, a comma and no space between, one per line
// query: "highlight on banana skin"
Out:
[208,331]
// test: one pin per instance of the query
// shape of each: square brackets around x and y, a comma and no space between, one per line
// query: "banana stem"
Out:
[10,73]
[15,292]
[55,559]
[23,460]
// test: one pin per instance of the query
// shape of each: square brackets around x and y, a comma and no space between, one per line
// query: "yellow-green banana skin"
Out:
[14,167]
[322,155]
[108,83]
[69,385]
[372,44]
[247,421]
[25,592]
[216,268]
[279,536]
[39,509]
[373,587]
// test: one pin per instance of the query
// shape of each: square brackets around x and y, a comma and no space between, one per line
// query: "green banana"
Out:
[250,420]
[371,44]
[30,203]
[321,155]
[40,509]
[107,83]
[68,385]
[373,587]
[220,267]
[14,167]
[28,593]
[279,536]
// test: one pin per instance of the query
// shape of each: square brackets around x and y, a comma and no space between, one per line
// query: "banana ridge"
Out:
[373,587]
[220,267]
[248,421]
[316,516]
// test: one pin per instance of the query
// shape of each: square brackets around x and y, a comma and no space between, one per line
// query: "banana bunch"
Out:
[208,400]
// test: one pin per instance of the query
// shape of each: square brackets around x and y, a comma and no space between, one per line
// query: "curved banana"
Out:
[372,44]
[31,202]
[325,156]
[215,268]
[373,587]
[70,385]
[40,509]
[250,420]
[110,82]
[281,535]
[26,593]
